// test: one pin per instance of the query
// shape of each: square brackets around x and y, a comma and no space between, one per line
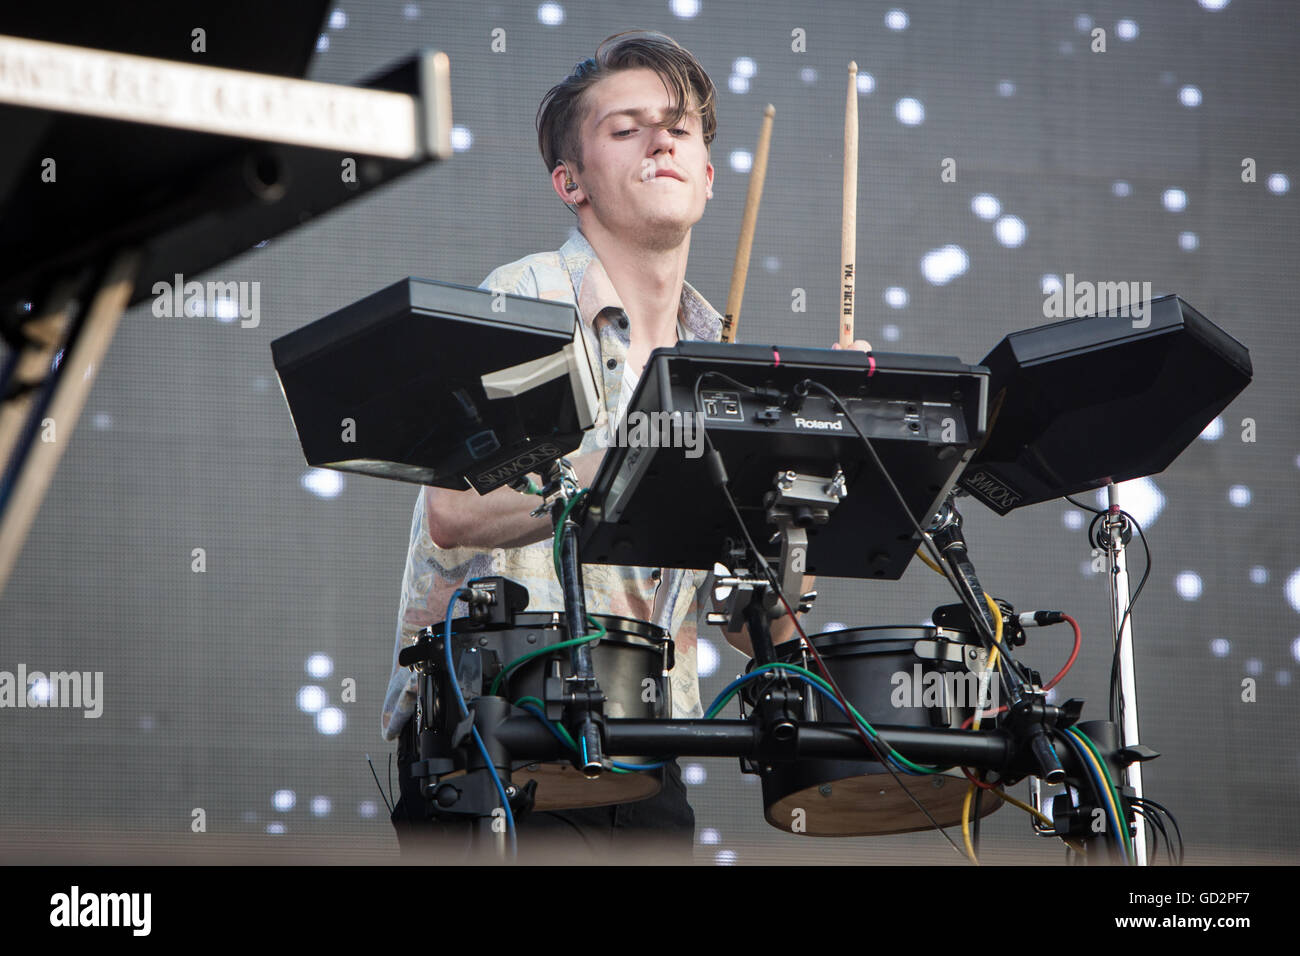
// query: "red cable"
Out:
[1078,640]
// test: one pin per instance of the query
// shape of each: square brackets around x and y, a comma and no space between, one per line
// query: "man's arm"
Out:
[499,519]
[782,628]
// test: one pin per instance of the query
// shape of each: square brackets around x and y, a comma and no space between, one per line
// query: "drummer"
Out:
[626,139]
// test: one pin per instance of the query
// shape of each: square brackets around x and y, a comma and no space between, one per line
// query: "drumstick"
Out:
[849,227]
[740,270]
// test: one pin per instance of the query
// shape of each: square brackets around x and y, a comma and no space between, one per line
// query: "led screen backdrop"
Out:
[1001,156]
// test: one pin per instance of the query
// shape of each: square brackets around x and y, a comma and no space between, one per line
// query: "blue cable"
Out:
[1100,784]
[464,712]
[555,733]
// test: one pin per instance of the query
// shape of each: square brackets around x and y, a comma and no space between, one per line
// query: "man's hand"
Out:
[862,345]
[499,519]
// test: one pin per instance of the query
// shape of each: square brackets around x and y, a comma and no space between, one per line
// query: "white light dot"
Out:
[709,836]
[1283,678]
[1126,30]
[941,266]
[367,808]
[1065,47]
[311,699]
[1188,584]
[338,20]
[147,722]
[1072,519]
[909,111]
[706,657]
[1083,23]
[1259,574]
[1214,430]
[1050,283]
[1295,648]
[1220,647]
[1140,497]
[1190,97]
[744,66]
[896,297]
[320,666]
[866,83]
[725,858]
[738,84]
[1010,231]
[1253,667]
[1187,241]
[808,75]
[1121,188]
[38,690]
[685,9]
[322,43]
[283,800]
[693,773]
[551,14]
[890,333]
[330,721]
[320,806]
[1175,200]
[275,829]
[410,11]
[985,206]
[771,263]
[322,482]
[102,421]
[896,19]
[1292,590]
[1278,183]
[834,626]
[1006,88]
[1214,4]
[1239,495]
[461,138]
[741,160]
[227,309]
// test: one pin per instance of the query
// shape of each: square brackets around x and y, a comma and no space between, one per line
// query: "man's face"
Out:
[642,180]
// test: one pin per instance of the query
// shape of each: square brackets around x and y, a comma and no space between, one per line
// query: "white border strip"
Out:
[207,99]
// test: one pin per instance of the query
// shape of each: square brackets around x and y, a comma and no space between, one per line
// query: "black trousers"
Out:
[666,818]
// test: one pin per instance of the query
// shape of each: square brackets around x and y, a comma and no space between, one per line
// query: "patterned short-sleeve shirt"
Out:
[666,597]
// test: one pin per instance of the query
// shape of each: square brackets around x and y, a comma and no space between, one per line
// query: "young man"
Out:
[626,140]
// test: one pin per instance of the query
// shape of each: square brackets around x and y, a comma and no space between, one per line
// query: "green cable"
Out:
[713,711]
[559,531]
[600,633]
[1110,784]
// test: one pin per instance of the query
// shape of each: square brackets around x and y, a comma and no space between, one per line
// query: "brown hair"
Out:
[563,110]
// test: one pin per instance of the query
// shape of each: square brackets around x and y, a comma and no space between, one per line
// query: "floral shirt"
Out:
[666,597]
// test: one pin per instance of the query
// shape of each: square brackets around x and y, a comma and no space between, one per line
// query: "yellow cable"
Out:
[1042,817]
[965,825]
[997,618]
[993,663]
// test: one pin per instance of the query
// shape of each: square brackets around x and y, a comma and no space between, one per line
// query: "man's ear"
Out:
[708,176]
[560,176]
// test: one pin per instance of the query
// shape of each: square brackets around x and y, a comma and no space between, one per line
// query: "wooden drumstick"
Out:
[849,226]
[740,270]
